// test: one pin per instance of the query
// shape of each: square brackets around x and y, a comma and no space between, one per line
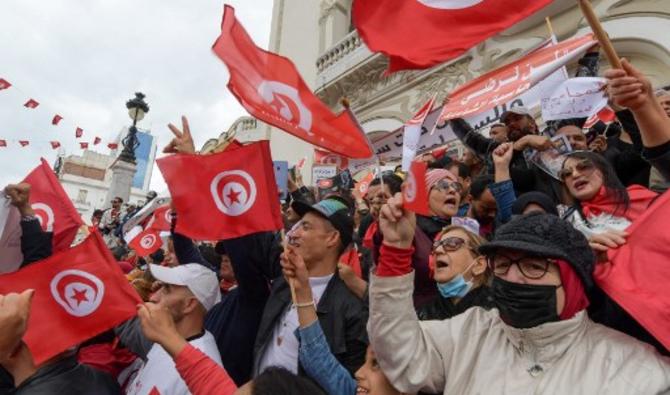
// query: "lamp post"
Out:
[137,107]
[123,169]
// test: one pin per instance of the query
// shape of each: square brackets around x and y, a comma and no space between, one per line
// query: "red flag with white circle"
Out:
[271,89]
[414,193]
[79,293]
[146,242]
[52,206]
[234,194]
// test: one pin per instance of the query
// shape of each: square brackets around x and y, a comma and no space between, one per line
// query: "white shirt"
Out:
[159,371]
[283,347]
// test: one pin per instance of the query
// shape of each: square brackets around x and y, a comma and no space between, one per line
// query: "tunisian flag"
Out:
[146,242]
[161,219]
[52,206]
[79,293]
[637,273]
[234,193]
[417,34]
[271,89]
[414,193]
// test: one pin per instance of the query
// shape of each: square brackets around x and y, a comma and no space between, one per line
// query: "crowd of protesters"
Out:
[364,297]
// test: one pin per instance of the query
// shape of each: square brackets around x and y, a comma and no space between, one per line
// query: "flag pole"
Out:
[601,35]
[550,28]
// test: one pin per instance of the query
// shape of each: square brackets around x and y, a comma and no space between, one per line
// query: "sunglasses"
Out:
[445,185]
[584,167]
[449,244]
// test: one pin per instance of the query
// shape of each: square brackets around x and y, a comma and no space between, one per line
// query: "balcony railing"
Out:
[346,54]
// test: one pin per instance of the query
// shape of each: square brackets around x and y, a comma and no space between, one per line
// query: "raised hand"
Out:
[14,313]
[19,195]
[396,224]
[183,141]
[158,326]
[502,155]
[537,142]
[294,269]
[628,87]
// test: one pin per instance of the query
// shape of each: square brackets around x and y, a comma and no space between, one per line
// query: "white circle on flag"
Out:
[45,215]
[234,192]
[78,292]
[148,241]
[168,216]
[449,4]
[285,99]
[409,192]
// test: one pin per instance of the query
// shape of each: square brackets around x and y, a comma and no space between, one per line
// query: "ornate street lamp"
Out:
[137,107]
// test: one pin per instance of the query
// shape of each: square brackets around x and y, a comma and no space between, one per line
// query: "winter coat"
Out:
[477,353]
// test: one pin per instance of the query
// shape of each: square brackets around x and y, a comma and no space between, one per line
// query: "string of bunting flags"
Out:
[32,104]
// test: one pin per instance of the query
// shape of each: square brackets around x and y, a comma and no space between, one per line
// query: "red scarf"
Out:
[640,199]
[575,297]
[369,235]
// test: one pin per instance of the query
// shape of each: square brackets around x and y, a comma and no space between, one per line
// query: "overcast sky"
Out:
[85,59]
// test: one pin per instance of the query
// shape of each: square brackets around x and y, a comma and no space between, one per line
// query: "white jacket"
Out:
[477,353]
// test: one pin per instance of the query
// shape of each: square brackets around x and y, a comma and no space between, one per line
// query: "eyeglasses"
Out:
[449,244]
[445,185]
[584,167]
[530,267]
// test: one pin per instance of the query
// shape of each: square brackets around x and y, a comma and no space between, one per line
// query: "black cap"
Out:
[335,211]
[545,235]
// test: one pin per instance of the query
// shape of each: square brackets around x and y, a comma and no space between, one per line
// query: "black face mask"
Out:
[524,305]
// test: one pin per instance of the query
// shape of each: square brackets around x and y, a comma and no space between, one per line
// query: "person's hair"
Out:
[393,181]
[613,186]
[119,199]
[473,241]
[498,125]
[279,381]
[120,252]
[463,169]
[479,185]
[98,212]
[158,256]
[209,254]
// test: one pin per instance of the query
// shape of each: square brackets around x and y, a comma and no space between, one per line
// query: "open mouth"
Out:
[360,390]
[439,264]
[580,184]
[451,201]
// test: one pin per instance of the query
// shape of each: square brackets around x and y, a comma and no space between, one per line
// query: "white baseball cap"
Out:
[201,281]
[519,110]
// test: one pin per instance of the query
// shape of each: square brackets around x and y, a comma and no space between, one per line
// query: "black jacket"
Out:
[441,308]
[525,177]
[342,317]
[235,320]
[67,376]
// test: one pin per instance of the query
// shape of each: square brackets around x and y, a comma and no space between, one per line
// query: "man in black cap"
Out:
[538,338]
[324,231]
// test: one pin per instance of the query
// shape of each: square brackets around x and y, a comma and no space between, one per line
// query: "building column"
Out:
[122,180]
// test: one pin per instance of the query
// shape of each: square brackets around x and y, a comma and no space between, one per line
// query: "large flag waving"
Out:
[79,293]
[271,89]
[233,194]
[501,85]
[417,34]
[637,273]
[52,206]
